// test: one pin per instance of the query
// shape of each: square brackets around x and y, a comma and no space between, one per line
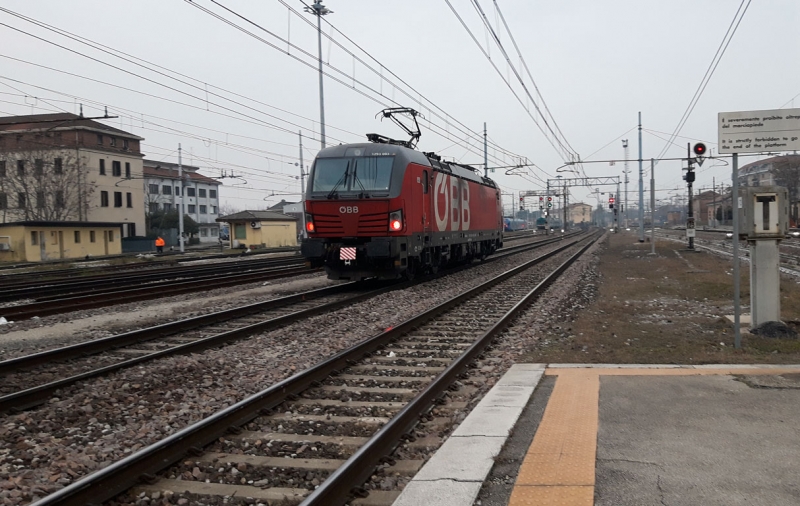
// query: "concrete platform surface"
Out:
[626,436]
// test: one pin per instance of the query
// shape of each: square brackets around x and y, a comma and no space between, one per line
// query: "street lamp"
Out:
[320,10]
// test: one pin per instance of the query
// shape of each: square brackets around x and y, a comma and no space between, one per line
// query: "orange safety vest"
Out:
[159,242]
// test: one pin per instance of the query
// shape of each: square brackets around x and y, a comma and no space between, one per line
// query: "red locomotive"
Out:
[385,210]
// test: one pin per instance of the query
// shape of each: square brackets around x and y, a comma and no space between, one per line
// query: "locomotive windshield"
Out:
[360,174]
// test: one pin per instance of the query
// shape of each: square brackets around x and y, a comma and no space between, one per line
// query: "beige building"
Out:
[64,167]
[39,241]
[579,213]
[261,229]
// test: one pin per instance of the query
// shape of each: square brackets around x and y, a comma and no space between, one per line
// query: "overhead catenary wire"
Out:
[438,129]
[726,40]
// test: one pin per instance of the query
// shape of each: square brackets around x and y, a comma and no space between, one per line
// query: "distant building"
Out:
[579,213]
[261,229]
[201,199]
[781,170]
[64,167]
[294,209]
[39,241]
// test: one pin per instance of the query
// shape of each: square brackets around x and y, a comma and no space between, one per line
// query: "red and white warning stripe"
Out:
[347,254]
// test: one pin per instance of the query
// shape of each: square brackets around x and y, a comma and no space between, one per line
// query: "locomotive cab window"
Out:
[359,174]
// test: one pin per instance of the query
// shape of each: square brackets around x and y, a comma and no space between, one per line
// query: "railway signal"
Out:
[699,152]
[611,202]
[549,202]
[541,203]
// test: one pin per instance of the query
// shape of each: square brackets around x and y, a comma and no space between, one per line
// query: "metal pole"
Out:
[302,187]
[625,146]
[691,208]
[641,184]
[317,7]
[737,337]
[180,199]
[652,206]
[485,153]
[714,201]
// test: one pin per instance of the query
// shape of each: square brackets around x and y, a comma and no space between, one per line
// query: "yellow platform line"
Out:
[559,468]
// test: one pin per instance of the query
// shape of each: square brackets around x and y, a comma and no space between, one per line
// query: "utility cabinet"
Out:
[763,212]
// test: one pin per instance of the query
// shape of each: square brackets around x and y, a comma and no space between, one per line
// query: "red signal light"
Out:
[699,149]
[396,225]
[310,226]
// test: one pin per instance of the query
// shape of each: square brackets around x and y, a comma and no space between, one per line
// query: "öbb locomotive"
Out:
[383,210]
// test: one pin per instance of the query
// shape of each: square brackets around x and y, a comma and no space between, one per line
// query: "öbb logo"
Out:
[348,209]
[452,203]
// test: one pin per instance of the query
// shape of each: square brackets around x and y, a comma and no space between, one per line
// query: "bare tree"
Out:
[42,185]
[228,209]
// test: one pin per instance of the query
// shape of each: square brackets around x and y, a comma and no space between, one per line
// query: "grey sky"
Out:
[596,63]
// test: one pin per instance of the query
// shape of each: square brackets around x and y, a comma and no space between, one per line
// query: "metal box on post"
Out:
[764,212]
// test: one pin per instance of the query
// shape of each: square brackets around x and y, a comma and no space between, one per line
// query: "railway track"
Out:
[103,356]
[352,410]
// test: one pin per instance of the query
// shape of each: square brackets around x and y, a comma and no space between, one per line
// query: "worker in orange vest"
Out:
[160,244]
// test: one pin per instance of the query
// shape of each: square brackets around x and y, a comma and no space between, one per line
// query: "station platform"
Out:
[583,434]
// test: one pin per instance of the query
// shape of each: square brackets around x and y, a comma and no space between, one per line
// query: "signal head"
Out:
[699,149]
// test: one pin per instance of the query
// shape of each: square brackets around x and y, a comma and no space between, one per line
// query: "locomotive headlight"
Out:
[395,221]
[309,223]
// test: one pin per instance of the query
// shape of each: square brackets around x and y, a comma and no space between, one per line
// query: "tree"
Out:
[42,185]
[160,220]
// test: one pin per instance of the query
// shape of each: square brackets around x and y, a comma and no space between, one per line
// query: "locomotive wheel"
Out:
[411,271]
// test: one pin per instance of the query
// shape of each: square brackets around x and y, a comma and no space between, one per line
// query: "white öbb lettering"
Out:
[452,203]
[348,209]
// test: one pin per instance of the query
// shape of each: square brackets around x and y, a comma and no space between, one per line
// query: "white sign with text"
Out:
[759,131]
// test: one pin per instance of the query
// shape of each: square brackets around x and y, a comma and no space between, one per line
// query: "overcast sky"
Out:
[596,64]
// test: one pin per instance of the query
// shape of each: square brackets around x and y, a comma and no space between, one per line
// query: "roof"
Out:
[279,206]
[257,216]
[766,164]
[63,224]
[61,121]
[172,173]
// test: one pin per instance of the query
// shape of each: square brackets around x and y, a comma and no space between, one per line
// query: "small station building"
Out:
[261,229]
[40,241]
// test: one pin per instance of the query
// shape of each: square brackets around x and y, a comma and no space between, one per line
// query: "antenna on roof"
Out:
[81,115]
[106,115]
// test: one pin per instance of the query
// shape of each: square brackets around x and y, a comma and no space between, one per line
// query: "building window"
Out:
[40,200]
[77,237]
[213,209]
[202,209]
[110,236]
[59,199]
[38,167]
[166,189]
[34,238]
[21,200]
[91,236]
[100,139]
[127,170]
[202,193]
[214,232]
[20,167]
[125,144]
[153,207]
[153,189]
[2,168]
[112,141]
[3,201]
[102,167]
[203,232]
[117,199]
[131,229]
[167,208]
[103,199]
[116,168]
[191,208]
[178,191]
[190,191]
[212,194]
[129,200]
[58,166]
[239,232]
